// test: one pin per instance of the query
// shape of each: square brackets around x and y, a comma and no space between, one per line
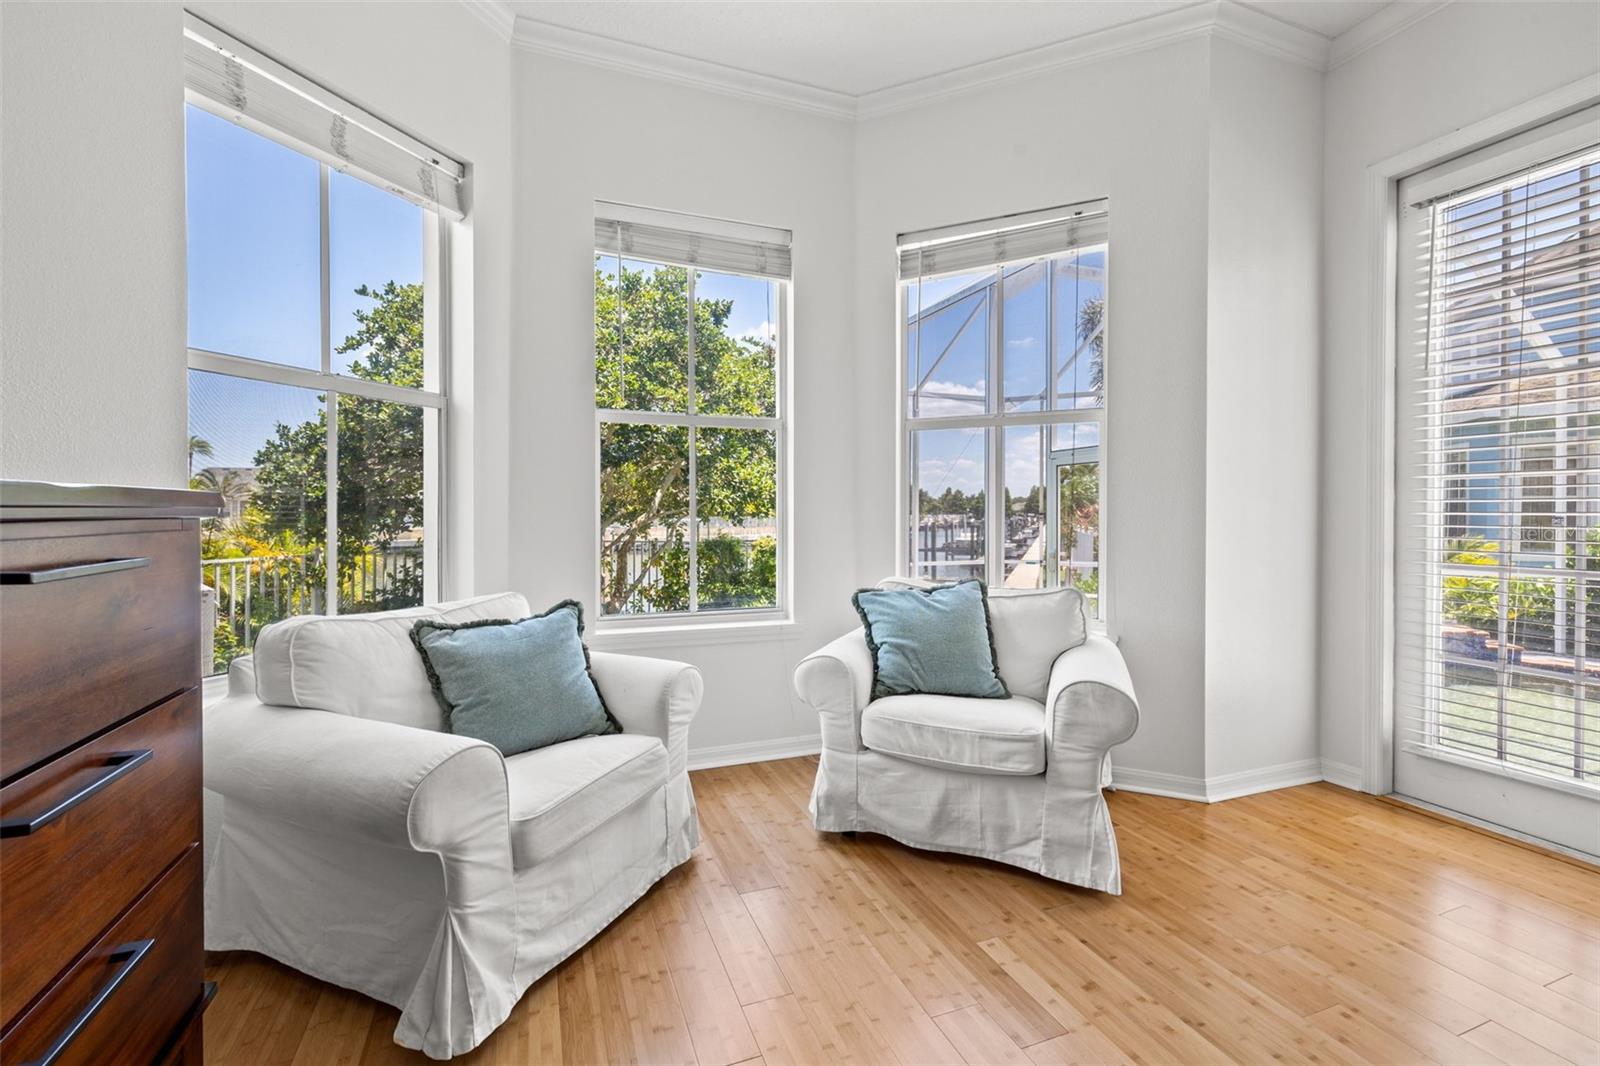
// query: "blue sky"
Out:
[254,273]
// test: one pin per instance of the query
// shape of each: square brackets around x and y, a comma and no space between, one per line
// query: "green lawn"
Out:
[1539,723]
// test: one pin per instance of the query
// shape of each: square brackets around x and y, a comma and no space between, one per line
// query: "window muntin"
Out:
[1003,483]
[1500,573]
[689,364]
[309,405]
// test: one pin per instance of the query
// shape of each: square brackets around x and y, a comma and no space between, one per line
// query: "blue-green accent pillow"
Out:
[518,685]
[935,641]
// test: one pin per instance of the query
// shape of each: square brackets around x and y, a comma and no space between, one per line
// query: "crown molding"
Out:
[495,14]
[543,38]
[1150,32]
[1254,28]
[1225,19]
[1379,27]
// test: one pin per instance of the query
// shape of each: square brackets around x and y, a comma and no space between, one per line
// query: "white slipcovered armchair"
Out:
[363,845]
[1016,780]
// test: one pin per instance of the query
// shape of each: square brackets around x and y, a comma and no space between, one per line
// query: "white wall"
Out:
[91,244]
[1134,130]
[1263,357]
[92,375]
[1206,151]
[585,133]
[1466,63]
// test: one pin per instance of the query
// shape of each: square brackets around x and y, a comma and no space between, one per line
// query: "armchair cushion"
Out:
[519,685]
[362,664]
[1031,630]
[959,733]
[561,793]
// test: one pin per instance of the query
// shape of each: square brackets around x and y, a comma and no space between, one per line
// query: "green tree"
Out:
[380,452]
[198,446]
[641,363]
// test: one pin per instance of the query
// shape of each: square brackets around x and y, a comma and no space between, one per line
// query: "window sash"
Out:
[691,420]
[1499,431]
[973,248]
[333,385]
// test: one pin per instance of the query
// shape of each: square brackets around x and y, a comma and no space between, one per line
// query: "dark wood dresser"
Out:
[101,948]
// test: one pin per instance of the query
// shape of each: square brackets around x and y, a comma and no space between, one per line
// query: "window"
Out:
[1004,364]
[315,356]
[689,359]
[1498,652]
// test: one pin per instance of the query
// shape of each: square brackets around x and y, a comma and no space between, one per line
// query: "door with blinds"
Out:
[1497,569]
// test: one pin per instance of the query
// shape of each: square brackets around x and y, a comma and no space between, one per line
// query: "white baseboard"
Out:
[1156,783]
[1220,787]
[1344,775]
[753,751]
[1130,779]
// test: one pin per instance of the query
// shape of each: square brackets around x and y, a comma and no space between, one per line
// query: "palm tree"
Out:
[1091,330]
[201,447]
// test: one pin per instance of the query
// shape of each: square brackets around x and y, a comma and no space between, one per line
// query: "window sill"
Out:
[213,689]
[1573,785]
[749,631]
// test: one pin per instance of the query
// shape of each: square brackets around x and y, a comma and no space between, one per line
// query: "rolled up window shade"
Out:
[765,256]
[230,79]
[1005,240]
[1497,577]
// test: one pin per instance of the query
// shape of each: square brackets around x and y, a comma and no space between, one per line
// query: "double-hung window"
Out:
[317,240]
[690,350]
[1004,345]
[1498,487]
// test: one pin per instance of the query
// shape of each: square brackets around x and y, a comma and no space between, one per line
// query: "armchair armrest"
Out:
[836,681]
[1091,707]
[656,697]
[375,781]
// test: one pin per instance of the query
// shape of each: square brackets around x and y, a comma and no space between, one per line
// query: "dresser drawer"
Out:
[63,883]
[110,624]
[132,992]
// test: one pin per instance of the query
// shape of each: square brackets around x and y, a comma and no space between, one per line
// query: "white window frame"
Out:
[691,421]
[1503,159]
[431,397]
[995,420]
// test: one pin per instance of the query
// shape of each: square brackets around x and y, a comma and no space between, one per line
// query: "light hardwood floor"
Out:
[1311,924]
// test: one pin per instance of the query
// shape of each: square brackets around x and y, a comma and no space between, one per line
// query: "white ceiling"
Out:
[866,46]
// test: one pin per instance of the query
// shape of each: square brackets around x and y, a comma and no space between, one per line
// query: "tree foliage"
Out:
[642,364]
[380,481]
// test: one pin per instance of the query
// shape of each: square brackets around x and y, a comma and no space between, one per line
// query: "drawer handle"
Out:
[119,764]
[129,955]
[63,573]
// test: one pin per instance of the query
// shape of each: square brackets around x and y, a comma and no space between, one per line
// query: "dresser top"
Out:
[21,500]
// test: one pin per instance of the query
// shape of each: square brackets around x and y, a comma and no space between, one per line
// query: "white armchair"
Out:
[1017,780]
[419,867]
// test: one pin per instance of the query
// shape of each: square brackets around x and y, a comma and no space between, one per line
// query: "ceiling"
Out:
[862,47]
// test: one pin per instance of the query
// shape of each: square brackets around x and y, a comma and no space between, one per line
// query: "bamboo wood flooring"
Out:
[1310,924]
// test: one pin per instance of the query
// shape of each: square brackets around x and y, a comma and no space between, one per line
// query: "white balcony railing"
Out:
[256,590]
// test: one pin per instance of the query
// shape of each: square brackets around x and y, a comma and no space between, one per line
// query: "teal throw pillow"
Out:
[935,641]
[518,685]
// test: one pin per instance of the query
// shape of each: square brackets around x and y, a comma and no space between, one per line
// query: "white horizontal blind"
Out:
[234,81]
[767,258]
[1040,233]
[1498,499]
